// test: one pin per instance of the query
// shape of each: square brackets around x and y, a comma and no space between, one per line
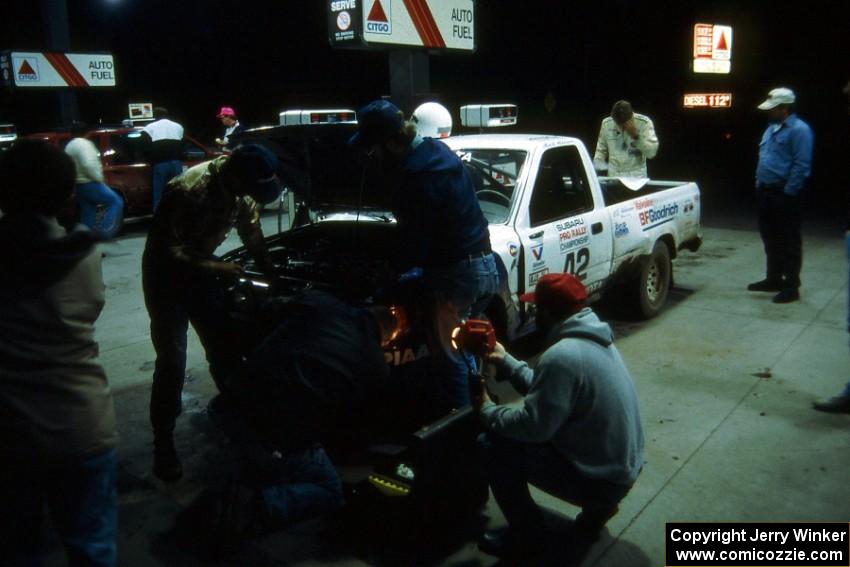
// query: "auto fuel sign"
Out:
[51,69]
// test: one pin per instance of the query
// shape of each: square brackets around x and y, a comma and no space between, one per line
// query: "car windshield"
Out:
[494,173]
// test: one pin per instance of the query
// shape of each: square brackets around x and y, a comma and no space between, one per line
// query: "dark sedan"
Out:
[124,152]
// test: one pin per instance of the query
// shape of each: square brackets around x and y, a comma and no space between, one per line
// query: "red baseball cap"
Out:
[226,111]
[561,293]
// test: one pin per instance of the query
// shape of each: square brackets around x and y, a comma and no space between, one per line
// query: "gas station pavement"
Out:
[725,379]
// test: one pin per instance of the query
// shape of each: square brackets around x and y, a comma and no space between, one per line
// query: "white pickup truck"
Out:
[549,213]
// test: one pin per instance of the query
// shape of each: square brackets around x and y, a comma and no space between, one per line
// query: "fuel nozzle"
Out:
[475,336]
[478,338]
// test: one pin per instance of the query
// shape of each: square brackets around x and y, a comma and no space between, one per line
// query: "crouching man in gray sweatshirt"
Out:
[576,433]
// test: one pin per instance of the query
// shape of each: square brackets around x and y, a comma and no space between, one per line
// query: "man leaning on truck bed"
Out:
[626,141]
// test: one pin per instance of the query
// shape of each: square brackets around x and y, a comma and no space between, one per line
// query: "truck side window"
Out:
[561,189]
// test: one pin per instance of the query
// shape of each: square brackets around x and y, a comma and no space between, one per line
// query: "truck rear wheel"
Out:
[653,282]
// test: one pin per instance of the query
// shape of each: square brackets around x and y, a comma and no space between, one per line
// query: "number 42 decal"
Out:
[577,263]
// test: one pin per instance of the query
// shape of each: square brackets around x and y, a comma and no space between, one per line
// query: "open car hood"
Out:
[319,165]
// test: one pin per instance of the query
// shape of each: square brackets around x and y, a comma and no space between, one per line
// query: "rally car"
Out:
[343,241]
[548,212]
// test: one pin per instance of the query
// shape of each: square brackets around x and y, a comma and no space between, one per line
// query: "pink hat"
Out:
[226,111]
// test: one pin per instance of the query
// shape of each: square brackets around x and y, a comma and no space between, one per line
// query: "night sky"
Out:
[263,56]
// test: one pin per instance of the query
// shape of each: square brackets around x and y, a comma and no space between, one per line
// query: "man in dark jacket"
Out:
[57,422]
[180,275]
[442,232]
[320,376]
[577,434]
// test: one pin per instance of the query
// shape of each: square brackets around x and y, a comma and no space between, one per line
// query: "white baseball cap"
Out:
[776,97]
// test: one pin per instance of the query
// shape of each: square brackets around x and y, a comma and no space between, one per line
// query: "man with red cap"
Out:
[231,127]
[576,432]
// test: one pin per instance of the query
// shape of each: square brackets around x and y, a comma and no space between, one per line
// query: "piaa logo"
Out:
[377,20]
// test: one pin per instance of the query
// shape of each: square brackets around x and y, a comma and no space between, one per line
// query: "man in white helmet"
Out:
[433,120]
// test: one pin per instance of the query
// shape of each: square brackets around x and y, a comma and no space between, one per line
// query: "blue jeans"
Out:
[511,465]
[83,504]
[295,484]
[163,172]
[306,485]
[101,209]
[456,292]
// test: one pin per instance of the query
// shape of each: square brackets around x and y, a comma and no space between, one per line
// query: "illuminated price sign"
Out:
[712,48]
[708,100]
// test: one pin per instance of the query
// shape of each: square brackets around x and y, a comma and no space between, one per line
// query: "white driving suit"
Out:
[622,155]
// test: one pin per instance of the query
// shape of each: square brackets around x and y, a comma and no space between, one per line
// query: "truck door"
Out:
[566,232]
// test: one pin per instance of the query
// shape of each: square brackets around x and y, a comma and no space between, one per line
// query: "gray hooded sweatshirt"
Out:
[580,398]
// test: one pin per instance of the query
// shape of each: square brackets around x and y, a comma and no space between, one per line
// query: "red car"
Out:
[124,153]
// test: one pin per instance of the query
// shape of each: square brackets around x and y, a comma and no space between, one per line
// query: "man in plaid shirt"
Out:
[180,275]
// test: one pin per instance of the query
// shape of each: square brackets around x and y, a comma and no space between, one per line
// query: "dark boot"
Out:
[166,464]
[766,285]
[786,296]
[236,514]
[838,404]
[512,544]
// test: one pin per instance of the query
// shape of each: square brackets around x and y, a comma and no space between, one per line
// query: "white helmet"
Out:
[433,120]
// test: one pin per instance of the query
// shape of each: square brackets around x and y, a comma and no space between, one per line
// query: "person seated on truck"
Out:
[442,233]
[319,377]
[626,140]
[576,433]
[101,209]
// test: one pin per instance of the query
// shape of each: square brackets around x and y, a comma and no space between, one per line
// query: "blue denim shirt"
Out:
[785,155]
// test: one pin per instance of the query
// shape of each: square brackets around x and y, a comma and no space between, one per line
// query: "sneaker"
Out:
[166,464]
[765,285]
[508,544]
[786,296]
[838,404]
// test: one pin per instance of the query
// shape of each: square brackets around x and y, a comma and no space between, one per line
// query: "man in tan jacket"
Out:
[57,422]
[180,275]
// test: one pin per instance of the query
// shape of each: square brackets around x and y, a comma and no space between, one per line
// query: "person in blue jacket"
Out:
[442,234]
[784,165]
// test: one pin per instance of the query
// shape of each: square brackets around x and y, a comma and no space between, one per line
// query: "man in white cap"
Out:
[785,162]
